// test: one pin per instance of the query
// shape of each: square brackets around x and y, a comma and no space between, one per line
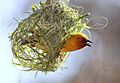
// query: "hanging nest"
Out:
[38,39]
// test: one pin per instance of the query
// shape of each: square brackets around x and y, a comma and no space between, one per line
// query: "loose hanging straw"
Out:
[37,40]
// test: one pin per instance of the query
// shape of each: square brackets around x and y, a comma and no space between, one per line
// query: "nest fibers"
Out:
[37,40]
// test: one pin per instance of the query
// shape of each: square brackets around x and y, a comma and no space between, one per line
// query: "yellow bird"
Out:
[76,42]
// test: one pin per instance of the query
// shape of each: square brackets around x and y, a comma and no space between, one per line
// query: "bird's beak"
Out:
[87,43]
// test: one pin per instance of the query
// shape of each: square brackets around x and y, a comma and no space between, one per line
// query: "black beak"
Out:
[87,43]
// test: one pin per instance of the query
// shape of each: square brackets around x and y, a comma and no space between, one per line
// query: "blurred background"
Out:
[99,64]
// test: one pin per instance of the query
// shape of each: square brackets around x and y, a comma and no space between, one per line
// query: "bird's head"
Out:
[83,40]
[76,41]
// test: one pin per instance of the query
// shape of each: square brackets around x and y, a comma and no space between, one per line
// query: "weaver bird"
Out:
[76,42]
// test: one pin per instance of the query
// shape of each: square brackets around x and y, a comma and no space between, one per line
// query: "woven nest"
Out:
[37,40]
